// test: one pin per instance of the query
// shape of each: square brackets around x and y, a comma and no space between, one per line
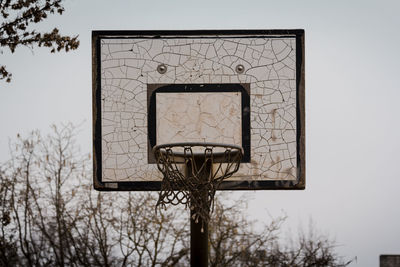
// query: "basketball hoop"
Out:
[192,172]
[166,103]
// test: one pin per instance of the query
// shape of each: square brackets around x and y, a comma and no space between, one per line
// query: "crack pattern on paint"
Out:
[128,65]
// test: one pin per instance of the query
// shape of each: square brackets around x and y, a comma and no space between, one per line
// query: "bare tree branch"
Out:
[51,216]
[16,28]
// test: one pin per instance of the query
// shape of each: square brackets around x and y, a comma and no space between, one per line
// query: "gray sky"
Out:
[352,94]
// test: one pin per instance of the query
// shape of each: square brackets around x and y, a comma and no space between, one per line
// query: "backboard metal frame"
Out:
[97,36]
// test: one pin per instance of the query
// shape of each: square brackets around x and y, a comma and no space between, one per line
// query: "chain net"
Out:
[191,177]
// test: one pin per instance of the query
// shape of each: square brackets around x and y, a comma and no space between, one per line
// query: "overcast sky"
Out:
[352,94]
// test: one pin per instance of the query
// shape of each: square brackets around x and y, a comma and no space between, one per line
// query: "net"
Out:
[192,172]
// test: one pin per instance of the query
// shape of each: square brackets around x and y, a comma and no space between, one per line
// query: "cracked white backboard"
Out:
[234,87]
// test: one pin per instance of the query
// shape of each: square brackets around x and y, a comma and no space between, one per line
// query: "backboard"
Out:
[240,87]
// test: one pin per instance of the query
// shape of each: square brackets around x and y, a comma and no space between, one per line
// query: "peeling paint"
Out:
[267,64]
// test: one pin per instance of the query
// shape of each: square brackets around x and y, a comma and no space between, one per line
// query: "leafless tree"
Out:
[233,238]
[41,180]
[16,28]
[51,216]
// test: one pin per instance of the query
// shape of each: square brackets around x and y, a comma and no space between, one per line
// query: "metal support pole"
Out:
[199,230]
[198,243]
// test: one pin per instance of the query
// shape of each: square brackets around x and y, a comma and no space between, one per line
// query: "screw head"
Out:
[162,68]
[240,68]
